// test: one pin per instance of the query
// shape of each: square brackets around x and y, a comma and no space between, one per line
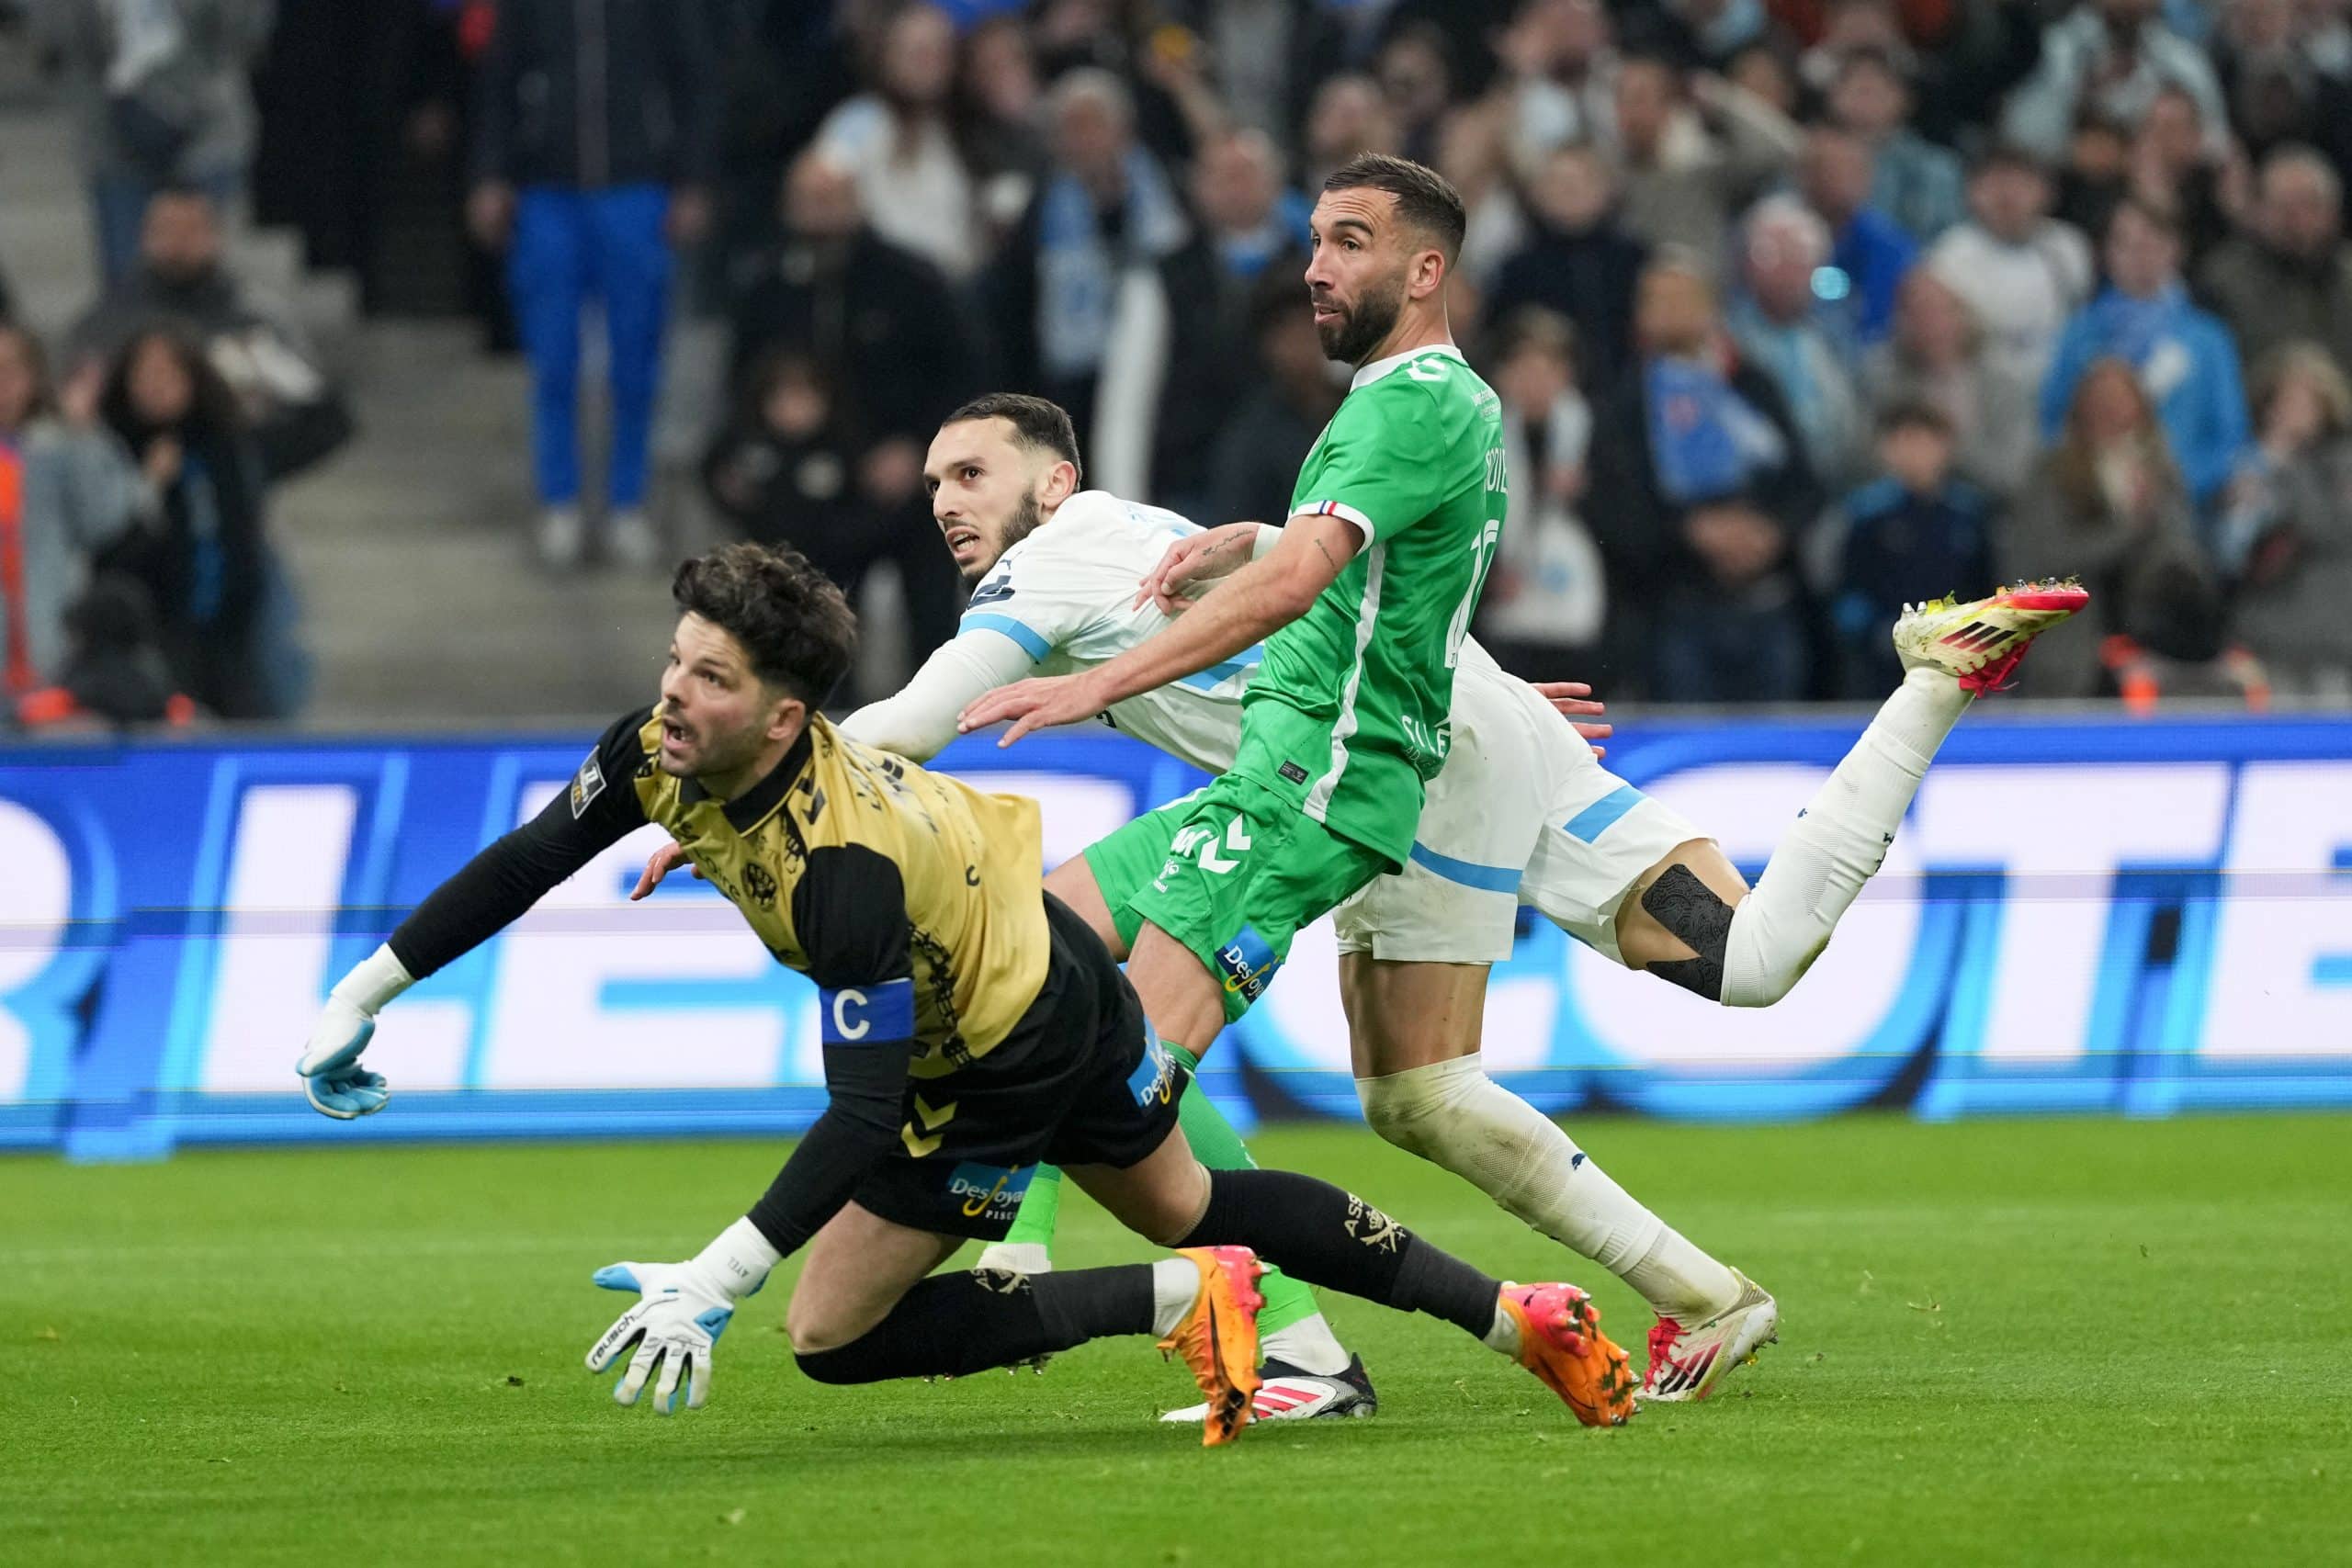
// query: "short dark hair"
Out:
[795,627]
[1039,423]
[2155,214]
[1914,414]
[1424,199]
[2009,156]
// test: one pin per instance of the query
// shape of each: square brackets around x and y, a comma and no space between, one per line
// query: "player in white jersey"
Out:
[1522,812]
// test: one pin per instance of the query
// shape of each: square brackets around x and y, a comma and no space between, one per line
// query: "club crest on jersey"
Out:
[586,786]
[760,882]
[1248,964]
[988,1190]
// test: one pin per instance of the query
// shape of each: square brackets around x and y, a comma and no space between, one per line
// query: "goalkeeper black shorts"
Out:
[1080,1080]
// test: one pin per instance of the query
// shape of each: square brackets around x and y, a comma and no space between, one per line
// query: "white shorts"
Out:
[1522,813]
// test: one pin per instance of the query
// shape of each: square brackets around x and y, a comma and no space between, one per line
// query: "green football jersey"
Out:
[1353,698]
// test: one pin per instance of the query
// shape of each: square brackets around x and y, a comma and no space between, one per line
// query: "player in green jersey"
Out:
[1362,606]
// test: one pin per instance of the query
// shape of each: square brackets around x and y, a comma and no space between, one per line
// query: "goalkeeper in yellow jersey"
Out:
[972,1028]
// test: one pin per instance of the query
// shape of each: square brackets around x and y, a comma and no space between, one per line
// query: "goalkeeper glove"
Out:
[333,1079]
[683,1310]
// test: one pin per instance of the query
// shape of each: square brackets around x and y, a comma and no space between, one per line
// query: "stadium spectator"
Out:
[1077,283]
[162,96]
[2280,88]
[1249,228]
[1267,59]
[1735,631]
[899,141]
[182,282]
[1711,33]
[2110,57]
[1415,75]
[203,554]
[1693,153]
[1350,114]
[2184,357]
[2172,164]
[1544,602]
[68,491]
[1690,424]
[784,471]
[1556,71]
[1268,434]
[1869,253]
[1937,356]
[2287,536]
[880,322]
[1914,181]
[1916,524]
[2290,277]
[595,137]
[1786,330]
[2022,272]
[1577,261]
[2096,175]
[2107,505]
[1001,103]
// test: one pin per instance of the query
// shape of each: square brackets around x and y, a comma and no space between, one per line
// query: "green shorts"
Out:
[1232,872]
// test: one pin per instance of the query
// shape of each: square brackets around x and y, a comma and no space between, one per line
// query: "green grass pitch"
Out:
[2092,1341]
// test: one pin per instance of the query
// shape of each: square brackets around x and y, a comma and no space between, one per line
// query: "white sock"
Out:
[1015,1257]
[1309,1345]
[1837,843]
[1503,1333]
[1454,1115]
[1175,1285]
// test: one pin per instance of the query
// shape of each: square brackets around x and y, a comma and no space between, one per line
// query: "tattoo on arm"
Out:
[1328,559]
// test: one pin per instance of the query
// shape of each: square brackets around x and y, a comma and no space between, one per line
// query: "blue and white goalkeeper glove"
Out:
[333,1079]
[683,1310]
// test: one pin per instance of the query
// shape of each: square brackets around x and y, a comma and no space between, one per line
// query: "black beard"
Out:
[1027,518]
[1362,329]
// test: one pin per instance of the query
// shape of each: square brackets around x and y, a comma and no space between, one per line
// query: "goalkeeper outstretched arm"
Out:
[486,895]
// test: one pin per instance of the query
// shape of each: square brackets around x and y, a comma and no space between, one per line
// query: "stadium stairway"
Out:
[421,604]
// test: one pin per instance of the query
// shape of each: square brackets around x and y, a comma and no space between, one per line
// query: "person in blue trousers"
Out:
[596,132]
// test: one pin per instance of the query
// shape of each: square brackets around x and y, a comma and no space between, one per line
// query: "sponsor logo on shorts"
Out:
[1248,964]
[1292,771]
[1155,1076]
[988,1190]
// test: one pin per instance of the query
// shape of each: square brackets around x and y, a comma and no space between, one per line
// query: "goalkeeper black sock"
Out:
[951,1325]
[1328,1236]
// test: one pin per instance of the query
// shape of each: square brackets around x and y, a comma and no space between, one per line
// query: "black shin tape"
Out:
[1692,910]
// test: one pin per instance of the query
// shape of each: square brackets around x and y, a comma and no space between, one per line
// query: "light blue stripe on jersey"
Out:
[1216,675]
[879,1012]
[1487,878]
[1030,643]
[1603,814]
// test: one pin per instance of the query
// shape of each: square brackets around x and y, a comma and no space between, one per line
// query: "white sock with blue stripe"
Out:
[1837,843]
[1454,1115]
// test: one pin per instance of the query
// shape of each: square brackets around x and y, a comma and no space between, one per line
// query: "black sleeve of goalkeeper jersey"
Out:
[849,909]
[491,890]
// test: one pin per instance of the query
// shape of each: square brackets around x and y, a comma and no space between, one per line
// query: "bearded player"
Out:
[972,1027]
[1347,717]
[1521,812]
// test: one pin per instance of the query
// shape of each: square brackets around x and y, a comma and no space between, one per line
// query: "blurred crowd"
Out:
[1799,310]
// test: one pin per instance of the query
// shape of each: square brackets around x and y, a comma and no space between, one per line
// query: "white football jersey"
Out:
[1066,595]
